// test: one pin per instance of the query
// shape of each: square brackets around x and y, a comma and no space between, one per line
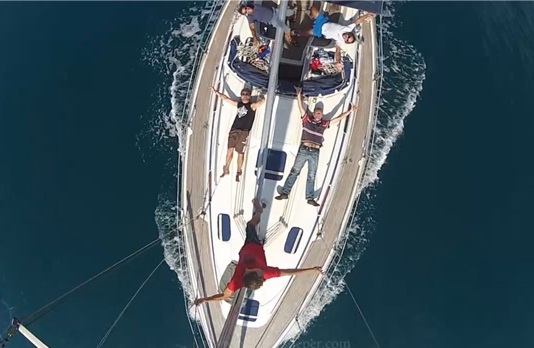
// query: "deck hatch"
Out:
[249,311]
[224,228]
[293,240]
[276,164]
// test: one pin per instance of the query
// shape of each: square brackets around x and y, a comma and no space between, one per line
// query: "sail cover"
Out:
[368,6]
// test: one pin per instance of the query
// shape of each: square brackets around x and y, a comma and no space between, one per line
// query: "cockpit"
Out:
[308,62]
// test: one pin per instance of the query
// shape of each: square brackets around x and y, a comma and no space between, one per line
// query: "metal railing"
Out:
[181,124]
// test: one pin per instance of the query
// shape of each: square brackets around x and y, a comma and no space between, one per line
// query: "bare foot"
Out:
[257,205]
[225,172]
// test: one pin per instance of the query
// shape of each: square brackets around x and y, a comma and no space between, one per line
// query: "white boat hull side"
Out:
[338,183]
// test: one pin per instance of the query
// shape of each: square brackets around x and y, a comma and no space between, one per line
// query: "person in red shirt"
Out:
[252,270]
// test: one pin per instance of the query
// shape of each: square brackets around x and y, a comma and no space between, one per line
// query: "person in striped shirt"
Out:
[313,127]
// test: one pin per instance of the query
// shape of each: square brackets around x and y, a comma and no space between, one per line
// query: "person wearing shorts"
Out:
[252,270]
[243,122]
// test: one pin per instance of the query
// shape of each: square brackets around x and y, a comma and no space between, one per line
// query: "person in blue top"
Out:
[341,34]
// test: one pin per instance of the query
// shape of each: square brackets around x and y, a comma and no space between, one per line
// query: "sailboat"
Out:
[215,208]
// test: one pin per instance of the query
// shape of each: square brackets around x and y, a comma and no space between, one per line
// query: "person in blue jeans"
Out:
[311,141]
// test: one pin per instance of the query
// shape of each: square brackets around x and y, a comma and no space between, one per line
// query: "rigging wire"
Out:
[55,303]
[50,306]
[359,310]
[103,340]
[363,316]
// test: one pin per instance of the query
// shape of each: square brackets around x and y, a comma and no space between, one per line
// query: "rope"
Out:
[103,340]
[363,317]
[52,305]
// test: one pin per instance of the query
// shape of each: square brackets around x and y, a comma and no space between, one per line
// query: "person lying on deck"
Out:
[322,27]
[243,122]
[252,270]
[313,127]
[264,15]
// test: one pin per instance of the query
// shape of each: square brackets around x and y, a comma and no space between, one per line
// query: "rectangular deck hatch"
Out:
[276,164]
[249,311]
[224,228]
[293,240]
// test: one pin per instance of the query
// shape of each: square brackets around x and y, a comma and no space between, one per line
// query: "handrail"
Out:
[199,55]
[184,119]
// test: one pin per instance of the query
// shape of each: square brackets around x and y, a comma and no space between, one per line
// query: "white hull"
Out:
[226,202]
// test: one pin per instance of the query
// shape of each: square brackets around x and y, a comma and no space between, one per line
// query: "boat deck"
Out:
[197,234]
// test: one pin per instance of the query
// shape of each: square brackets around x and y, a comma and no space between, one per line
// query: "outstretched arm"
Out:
[360,19]
[217,297]
[297,271]
[253,32]
[224,97]
[257,104]
[299,101]
[353,108]
[337,56]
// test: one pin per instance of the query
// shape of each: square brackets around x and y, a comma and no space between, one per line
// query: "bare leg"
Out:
[288,37]
[240,160]
[258,209]
[229,156]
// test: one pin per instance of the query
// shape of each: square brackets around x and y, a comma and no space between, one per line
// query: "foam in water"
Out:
[173,56]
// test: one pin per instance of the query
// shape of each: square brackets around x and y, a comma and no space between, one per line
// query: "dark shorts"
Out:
[238,139]
[252,235]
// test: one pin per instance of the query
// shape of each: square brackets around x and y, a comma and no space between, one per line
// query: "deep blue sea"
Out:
[443,238]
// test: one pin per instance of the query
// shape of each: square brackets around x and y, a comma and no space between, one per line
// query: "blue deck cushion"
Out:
[293,240]
[322,85]
[249,311]
[276,164]
[224,227]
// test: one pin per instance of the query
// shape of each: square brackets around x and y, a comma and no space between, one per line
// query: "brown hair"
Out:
[253,281]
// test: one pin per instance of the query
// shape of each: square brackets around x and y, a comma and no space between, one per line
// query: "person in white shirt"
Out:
[333,31]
